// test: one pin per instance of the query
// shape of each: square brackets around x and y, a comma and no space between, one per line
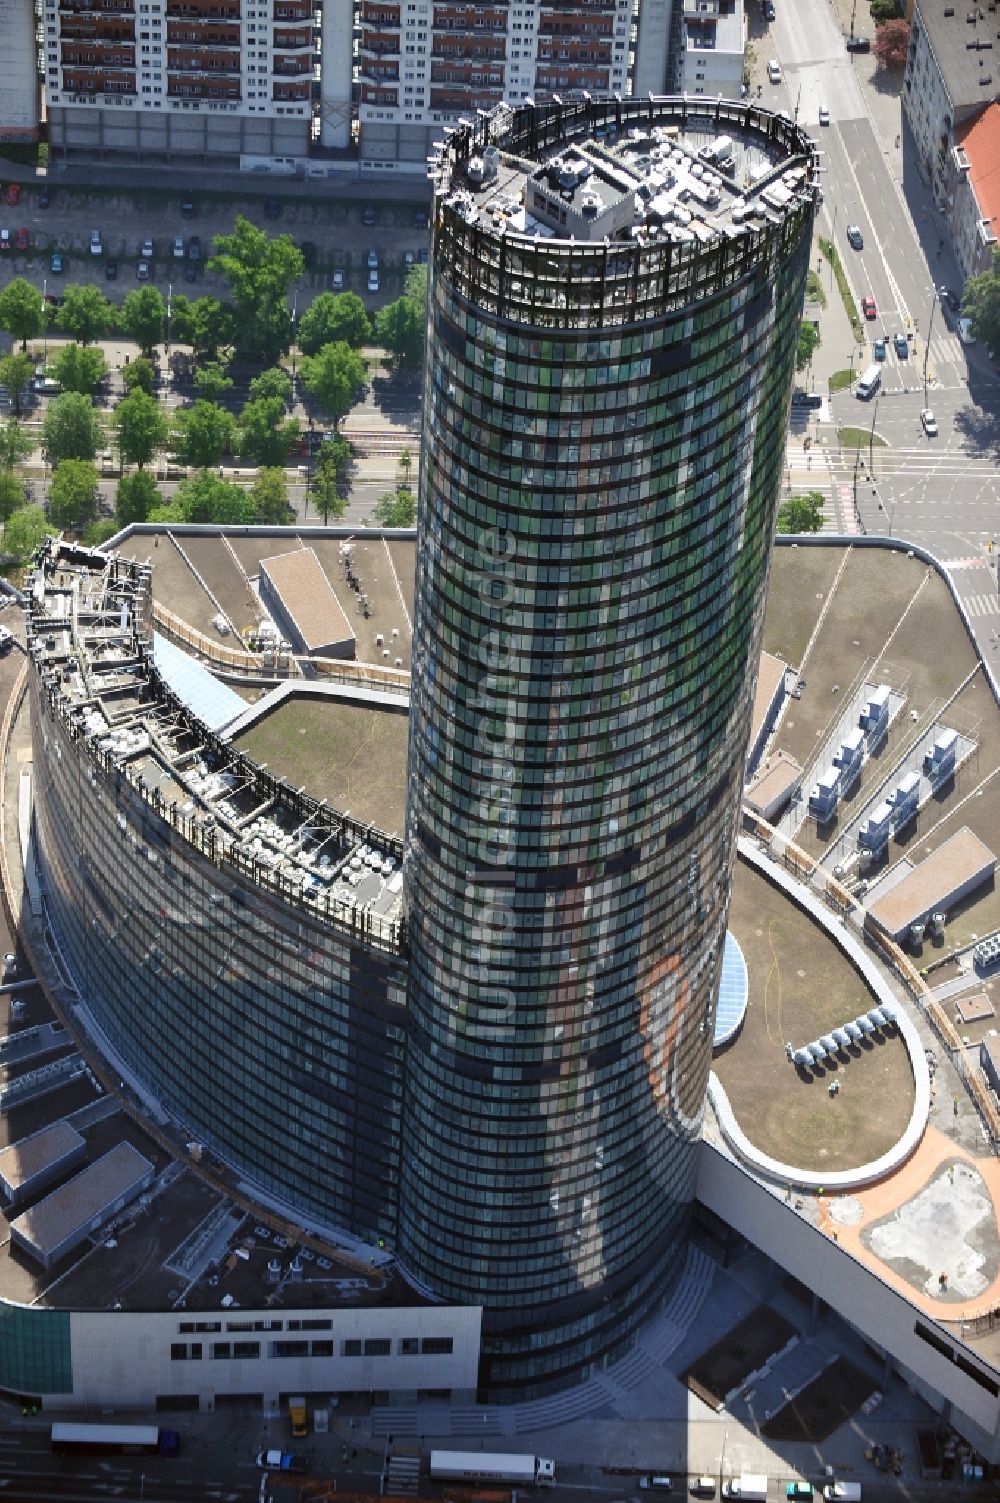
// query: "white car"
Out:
[146,251]
[929,422]
[824,115]
[337,280]
[774,71]
[373,260]
[178,247]
[96,248]
[373,282]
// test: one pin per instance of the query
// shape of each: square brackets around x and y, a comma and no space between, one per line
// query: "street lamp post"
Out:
[927,341]
[45,321]
[295,326]
[166,341]
[871,441]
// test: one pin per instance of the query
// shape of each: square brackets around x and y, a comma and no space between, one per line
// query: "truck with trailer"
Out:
[498,1466]
[749,1487]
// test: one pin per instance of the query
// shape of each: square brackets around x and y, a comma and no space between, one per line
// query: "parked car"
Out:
[56,265]
[420,220]
[146,249]
[965,333]
[879,348]
[187,209]
[769,11]
[774,71]
[373,282]
[111,271]
[807,399]
[308,249]
[178,248]
[859,44]
[702,1487]
[282,1461]
[368,216]
[824,115]
[901,345]
[855,239]
[46,385]
[929,422]
[337,281]
[96,245]
[13,194]
[43,196]
[373,260]
[868,306]
[22,240]
[194,248]
[191,271]
[5,241]
[799,1490]
[950,299]
[656,1482]
[142,272]
[409,258]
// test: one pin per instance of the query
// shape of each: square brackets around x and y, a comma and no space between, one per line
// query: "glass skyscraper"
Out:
[614,306]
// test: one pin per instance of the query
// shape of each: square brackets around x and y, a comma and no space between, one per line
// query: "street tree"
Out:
[166,515]
[203,433]
[892,41]
[334,457]
[396,509]
[15,372]
[265,434]
[260,273]
[96,534]
[331,317]
[139,375]
[325,493]
[22,311]
[13,493]
[270,497]
[206,324]
[73,493]
[884,10]
[802,513]
[137,497]
[272,383]
[981,303]
[15,445]
[333,375]
[141,428]
[206,498]
[399,328]
[72,428]
[211,381]
[24,530]
[809,342]
[85,314]
[143,317]
[80,367]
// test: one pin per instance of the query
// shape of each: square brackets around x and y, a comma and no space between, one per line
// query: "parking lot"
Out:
[335,233]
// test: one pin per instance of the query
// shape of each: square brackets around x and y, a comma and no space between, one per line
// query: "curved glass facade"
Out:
[604,436]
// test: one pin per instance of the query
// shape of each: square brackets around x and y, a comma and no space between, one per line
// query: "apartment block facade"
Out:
[223,81]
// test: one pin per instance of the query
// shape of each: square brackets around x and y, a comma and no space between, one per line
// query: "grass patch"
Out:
[829,250]
[814,290]
[859,438]
[841,380]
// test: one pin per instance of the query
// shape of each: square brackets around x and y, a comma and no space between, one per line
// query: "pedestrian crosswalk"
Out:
[982,605]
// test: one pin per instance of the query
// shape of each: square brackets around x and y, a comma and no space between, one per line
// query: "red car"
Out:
[13,194]
[868,307]
[22,240]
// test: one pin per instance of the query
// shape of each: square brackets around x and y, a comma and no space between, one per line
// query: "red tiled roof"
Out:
[981,142]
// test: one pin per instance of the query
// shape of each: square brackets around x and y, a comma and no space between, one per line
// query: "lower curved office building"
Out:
[614,305]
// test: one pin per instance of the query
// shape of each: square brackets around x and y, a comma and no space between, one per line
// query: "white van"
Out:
[869,383]
[843,1492]
[965,333]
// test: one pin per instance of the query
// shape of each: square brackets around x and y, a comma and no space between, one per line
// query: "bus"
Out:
[114,1440]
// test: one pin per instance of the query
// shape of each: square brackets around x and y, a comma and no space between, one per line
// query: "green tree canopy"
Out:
[265,434]
[272,383]
[399,328]
[206,498]
[332,317]
[260,273]
[166,515]
[15,444]
[141,428]
[808,343]
[24,530]
[202,434]
[206,324]
[143,317]
[326,494]
[210,381]
[137,497]
[396,509]
[139,375]
[13,493]
[802,513]
[72,429]
[981,303]
[80,367]
[15,372]
[96,534]
[73,493]
[270,497]
[85,314]
[22,310]
[333,375]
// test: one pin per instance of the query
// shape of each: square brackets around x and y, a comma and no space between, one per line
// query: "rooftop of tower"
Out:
[658,172]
